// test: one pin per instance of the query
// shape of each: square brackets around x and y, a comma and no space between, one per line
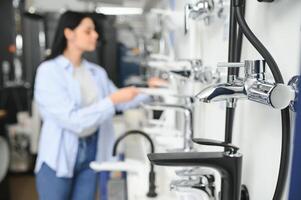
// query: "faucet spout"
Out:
[222,92]
[189,132]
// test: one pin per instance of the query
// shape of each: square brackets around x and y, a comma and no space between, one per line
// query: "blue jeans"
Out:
[82,186]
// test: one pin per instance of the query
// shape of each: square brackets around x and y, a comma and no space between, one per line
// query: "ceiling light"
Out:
[119,11]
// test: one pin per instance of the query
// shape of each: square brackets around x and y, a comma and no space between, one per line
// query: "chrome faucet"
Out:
[198,11]
[252,86]
[196,71]
[191,68]
[203,10]
[186,69]
[188,133]
[198,178]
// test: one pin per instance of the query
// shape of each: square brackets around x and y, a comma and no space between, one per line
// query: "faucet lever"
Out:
[253,68]
[230,64]
[210,142]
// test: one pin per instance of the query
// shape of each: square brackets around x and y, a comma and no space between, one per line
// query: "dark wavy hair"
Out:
[69,19]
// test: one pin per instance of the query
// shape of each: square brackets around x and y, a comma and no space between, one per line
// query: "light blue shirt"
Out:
[58,97]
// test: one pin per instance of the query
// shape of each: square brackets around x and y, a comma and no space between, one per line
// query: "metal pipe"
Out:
[230,110]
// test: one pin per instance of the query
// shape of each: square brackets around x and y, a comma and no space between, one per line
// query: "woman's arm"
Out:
[131,104]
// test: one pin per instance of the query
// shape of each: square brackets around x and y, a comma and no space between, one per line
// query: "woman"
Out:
[77,102]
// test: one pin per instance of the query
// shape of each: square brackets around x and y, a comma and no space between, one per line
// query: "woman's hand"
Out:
[156,82]
[124,95]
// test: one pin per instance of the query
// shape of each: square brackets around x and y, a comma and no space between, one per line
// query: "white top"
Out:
[89,92]
[88,88]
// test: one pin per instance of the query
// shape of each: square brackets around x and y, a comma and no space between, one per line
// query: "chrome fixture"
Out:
[199,11]
[186,69]
[203,10]
[196,71]
[252,86]
[188,133]
[198,178]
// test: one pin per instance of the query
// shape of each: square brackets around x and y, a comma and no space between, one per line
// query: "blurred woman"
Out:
[77,102]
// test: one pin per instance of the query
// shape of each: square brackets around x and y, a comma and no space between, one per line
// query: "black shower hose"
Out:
[285,118]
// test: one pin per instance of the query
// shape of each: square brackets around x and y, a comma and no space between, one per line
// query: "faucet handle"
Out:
[210,142]
[253,68]
[233,65]
[230,64]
